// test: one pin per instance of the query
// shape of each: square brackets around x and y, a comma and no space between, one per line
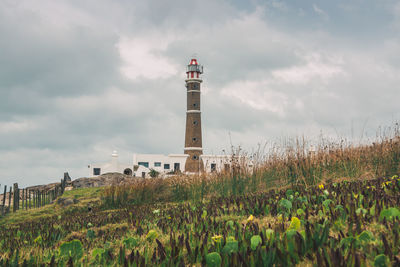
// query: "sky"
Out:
[79,79]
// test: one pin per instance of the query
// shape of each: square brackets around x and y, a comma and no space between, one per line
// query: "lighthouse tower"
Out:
[193,140]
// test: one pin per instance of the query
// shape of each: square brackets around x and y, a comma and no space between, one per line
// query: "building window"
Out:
[194,122]
[213,167]
[195,157]
[96,171]
[176,167]
[194,105]
[194,86]
[143,175]
[166,166]
[157,164]
[194,139]
[145,164]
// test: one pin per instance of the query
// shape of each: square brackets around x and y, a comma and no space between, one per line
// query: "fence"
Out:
[29,198]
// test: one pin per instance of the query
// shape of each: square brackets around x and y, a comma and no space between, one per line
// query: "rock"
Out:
[64,202]
[106,179]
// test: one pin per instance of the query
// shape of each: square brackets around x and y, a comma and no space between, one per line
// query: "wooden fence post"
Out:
[23,195]
[4,196]
[3,211]
[30,197]
[9,199]
[26,198]
[16,197]
[62,186]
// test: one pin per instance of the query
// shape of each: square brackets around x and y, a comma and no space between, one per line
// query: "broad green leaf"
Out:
[231,246]
[130,242]
[266,209]
[290,233]
[213,259]
[295,224]
[289,192]
[90,234]
[361,211]
[300,212]
[326,203]
[97,252]
[269,233]
[365,236]
[151,235]
[381,261]
[286,204]
[372,210]
[38,240]
[72,249]
[255,241]
[389,213]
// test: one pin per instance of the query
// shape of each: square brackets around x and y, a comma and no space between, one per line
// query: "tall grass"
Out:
[293,162]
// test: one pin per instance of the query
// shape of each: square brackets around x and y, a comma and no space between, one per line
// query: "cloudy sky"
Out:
[79,79]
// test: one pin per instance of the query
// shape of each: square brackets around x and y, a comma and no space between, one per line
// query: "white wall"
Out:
[159,162]
[112,166]
[164,164]
[218,160]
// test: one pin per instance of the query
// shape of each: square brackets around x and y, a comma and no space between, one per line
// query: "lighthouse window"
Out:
[194,122]
[194,86]
[194,105]
[195,157]
[194,139]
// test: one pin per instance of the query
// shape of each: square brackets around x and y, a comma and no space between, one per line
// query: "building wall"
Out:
[160,163]
[108,167]
[165,164]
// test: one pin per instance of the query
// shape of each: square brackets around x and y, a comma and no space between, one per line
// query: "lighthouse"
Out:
[193,139]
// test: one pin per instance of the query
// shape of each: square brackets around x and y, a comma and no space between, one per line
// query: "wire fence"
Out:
[28,198]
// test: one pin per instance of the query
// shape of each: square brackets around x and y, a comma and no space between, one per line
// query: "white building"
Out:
[97,169]
[170,164]
[163,165]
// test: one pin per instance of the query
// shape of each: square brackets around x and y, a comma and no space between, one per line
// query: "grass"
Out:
[200,222]
[295,162]
[130,210]
[85,196]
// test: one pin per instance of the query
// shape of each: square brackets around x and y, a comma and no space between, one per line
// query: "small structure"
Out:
[97,169]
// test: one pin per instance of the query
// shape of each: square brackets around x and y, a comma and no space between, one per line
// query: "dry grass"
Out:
[294,162]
